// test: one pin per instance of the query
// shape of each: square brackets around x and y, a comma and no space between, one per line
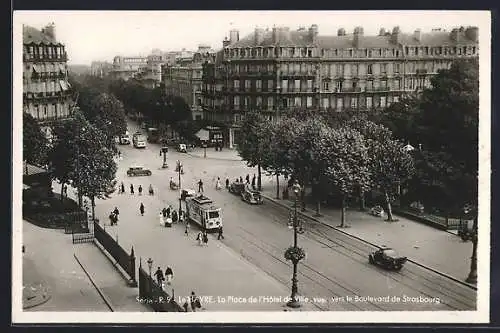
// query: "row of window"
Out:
[46,86]
[45,51]
[337,69]
[48,111]
[306,52]
[307,102]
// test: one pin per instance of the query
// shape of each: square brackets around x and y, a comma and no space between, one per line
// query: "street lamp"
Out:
[150,265]
[179,171]
[294,303]
[472,278]
[164,151]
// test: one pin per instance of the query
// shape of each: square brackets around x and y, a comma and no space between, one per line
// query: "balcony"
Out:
[351,90]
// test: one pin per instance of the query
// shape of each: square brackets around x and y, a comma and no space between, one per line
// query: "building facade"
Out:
[100,68]
[184,78]
[47,94]
[274,71]
[126,68]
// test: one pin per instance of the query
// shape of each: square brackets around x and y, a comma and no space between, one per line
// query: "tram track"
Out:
[414,278]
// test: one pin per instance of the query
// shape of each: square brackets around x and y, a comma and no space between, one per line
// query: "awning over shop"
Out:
[203,135]
[64,85]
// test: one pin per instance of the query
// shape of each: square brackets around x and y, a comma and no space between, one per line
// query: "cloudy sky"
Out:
[99,35]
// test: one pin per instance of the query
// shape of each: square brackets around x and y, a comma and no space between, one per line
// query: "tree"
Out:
[97,168]
[34,141]
[108,115]
[63,154]
[374,135]
[390,165]
[273,157]
[343,156]
[250,147]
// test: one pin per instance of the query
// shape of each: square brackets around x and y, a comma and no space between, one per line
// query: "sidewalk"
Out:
[49,263]
[217,274]
[226,154]
[440,250]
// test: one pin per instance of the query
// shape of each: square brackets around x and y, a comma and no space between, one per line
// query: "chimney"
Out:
[234,36]
[417,35]
[341,32]
[259,36]
[313,33]
[358,34]
[472,33]
[381,32]
[455,35]
[275,35]
[49,30]
[396,35]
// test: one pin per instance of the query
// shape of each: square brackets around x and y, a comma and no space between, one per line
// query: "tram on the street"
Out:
[202,211]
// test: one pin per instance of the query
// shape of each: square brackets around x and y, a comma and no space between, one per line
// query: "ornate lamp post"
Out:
[179,171]
[164,151]
[472,278]
[150,265]
[295,253]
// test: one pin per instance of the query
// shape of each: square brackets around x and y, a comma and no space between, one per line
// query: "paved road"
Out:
[335,270]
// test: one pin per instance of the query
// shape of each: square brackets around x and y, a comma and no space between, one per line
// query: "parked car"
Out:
[377,211]
[181,147]
[236,188]
[251,196]
[138,171]
[187,193]
[124,139]
[387,258]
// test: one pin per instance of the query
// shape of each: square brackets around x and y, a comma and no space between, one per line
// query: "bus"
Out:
[202,211]
[153,135]
[139,140]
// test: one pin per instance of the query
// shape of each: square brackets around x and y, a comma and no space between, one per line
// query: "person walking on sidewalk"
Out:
[200,186]
[169,275]
[227,183]
[199,238]
[141,209]
[122,188]
[151,191]
[140,189]
[220,233]
[205,238]
[159,276]
[218,185]
[131,188]
[241,179]
[116,212]
[186,232]
[253,182]
[247,178]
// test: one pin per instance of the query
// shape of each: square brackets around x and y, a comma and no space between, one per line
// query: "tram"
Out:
[202,211]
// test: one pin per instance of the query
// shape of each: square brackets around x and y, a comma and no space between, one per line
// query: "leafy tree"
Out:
[97,168]
[374,135]
[390,165]
[343,156]
[108,116]
[250,147]
[274,157]
[63,153]
[34,141]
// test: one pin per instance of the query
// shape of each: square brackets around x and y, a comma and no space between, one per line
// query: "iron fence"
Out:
[125,260]
[151,294]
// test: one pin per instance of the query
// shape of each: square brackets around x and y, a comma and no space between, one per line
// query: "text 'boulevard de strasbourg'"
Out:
[303,299]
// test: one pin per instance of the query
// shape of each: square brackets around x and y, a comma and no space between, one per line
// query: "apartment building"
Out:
[184,77]
[47,94]
[277,70]
[127,67]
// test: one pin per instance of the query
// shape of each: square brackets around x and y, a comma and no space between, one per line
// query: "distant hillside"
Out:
[79,69]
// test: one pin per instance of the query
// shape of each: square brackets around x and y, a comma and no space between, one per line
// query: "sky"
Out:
[101,35]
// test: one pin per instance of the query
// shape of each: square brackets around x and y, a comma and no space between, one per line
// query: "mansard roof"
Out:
[33,35]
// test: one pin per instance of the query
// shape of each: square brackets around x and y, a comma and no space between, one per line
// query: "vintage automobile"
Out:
[138,171]
[251,196]
[377,211]
[187,193]
[387,258]
[236,188]
[182,148]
